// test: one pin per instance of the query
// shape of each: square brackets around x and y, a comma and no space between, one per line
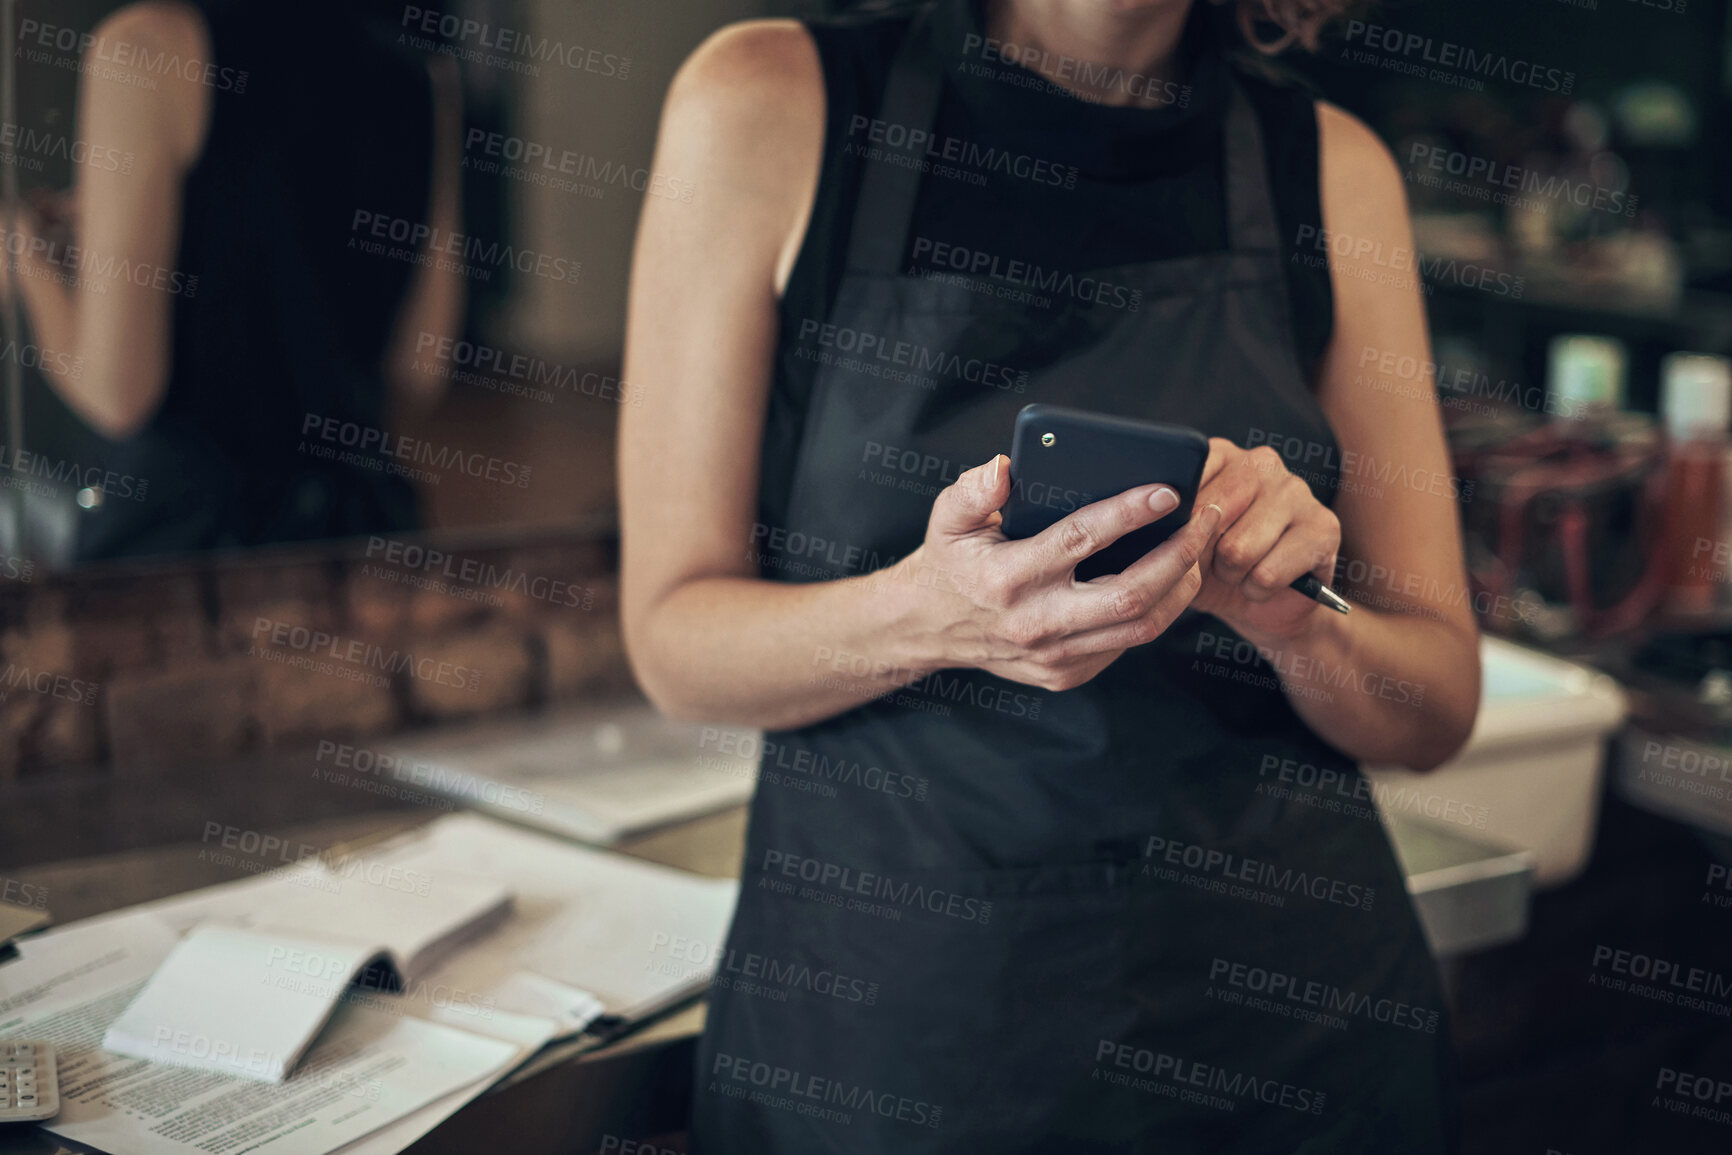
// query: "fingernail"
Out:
[1163,500]
[992,474]
[1210,517]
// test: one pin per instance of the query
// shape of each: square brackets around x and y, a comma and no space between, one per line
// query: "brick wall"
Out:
[129,667]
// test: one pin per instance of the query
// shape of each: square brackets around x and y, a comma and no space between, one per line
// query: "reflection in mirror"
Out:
[223,356]
[356,272]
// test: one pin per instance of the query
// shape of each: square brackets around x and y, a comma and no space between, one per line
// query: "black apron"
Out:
[1155,913]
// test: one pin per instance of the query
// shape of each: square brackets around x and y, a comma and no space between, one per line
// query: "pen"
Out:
[1318,592]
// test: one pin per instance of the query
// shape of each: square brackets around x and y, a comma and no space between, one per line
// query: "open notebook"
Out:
[246,995]
[637,936]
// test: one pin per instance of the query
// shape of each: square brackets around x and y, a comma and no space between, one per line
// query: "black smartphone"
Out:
[1063,459]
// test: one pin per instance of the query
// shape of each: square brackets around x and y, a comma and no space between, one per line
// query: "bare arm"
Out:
[707,637]
[117,328]
[433,310]
[1398,682]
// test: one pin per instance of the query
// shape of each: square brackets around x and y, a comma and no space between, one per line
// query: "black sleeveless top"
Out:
[278,314]
[1148,182]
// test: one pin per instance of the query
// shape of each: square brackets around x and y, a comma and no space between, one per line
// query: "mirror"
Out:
[358,268]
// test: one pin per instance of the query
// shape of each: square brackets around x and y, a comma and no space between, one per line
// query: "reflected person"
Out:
[233,334]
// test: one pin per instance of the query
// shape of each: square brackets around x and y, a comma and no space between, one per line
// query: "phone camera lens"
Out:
[1047,439]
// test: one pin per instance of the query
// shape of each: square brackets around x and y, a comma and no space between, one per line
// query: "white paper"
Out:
[527,993]
[254,997]
[637,935]
[66,966]
[406,912]
[371,1067]
[557,777]
[527,1033]
[483,975]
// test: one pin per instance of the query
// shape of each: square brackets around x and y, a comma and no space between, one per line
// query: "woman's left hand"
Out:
[1283,533]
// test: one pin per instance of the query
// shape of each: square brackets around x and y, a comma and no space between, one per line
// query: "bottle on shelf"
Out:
[1696,408]
[1586,376]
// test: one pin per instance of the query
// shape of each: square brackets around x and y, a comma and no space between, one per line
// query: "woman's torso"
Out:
[1053,896]
[1129,190]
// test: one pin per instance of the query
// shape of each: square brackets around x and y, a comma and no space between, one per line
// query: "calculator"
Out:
[29,1086]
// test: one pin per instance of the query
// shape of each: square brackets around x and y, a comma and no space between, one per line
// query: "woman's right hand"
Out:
[1015,608]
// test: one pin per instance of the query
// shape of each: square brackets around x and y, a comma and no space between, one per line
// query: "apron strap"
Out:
[1251,217]
[892,180]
